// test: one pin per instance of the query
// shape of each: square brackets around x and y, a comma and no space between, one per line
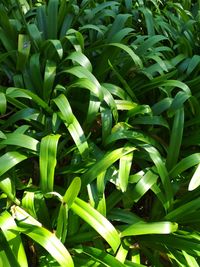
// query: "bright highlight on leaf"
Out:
[72,124]
[98,222]
[48,150]
[30,227]
[99,133]
[142,228]
[9,160]
[195,181]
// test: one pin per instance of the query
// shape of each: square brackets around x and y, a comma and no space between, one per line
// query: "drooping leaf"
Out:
[30,227]
[97,221]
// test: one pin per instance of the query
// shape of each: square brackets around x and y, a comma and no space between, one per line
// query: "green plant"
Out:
[99,133]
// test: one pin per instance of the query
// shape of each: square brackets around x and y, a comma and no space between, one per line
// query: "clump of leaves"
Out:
[99,133]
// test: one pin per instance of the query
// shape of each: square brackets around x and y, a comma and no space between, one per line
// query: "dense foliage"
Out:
[99,133]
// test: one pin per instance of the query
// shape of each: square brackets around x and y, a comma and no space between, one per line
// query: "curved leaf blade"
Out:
[143,228]
[48,150]
[29,226]
[21,140]
[72,124]
[97,221]
[105,163]
[9,160]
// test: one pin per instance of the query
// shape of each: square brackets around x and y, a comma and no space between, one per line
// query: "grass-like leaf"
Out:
[142,228]
[48,149]
[98,222]
[30,227]
[9,160]
[72,124]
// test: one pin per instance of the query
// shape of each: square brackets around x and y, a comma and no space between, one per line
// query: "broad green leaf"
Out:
[162,171]
[81,72]
[28,94]
[81,59]
[122,215]
[175,139]
[123,82]
[108,98]
[89,85]
[72,192]
[139,109]
[28,203]
[116,31]
[34,35]
[8,187]
[30,227]
[13,238]
[102,6]
[52,19]
[194,62]
[125,163]
[23,114]
[149,20]
[21,140]
[35,67]
[65,18]
[175,242]
[105,163]
[130,52]
[130,135]
[23,51]
[41,19]
[72,124]
[48,150]
[185,164]
[143,228]
[195,180]
[3,103]
[160,63]
[97,221]
[67,201]
[174,83]
[149,43]
[125,105]
[178,101]
[21,129]
[7,257]
[62,223]
[122,252]
[151,120]
[51,46]
[191,261]
[49,77]
[76,39]
[91,26]
[106,120]
[21,215]
[182,210]
[93,109]
[9,160]
[144,184]
[162,106]
[116,91]
[104,258]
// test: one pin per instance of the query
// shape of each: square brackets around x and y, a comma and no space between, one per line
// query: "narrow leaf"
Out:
[48,150]
[42,236]
[9,160]
[97,221]
[143,228]
[72,124]
[105,163]
[195,180]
